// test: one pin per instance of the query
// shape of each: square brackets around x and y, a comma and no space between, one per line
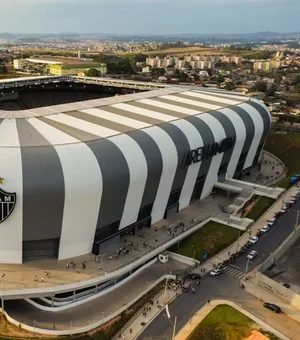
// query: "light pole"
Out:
[247,265]
[297,221]
[173,324]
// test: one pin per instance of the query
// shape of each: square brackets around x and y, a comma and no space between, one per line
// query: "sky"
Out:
[149,16]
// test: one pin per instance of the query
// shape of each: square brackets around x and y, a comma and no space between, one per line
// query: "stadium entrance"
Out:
[101,243]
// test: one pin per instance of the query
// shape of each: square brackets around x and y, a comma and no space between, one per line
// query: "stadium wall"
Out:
[71,194]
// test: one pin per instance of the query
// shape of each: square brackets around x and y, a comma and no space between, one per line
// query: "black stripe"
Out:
[154,163]
[182,146]
[43,185]
[115,177]
[250,131]
[229,132]
[208,138]
[267,123]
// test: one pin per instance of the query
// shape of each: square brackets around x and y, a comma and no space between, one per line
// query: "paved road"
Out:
[227,286]
[93,311]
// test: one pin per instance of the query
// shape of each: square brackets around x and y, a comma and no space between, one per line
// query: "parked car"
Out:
[253,239]
[265,229]
[215,272]
[272,307]
[272,221]
[292,200]
[252,255]
[193,276]
[286,285]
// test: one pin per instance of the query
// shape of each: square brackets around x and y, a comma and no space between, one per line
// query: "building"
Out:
[79,175]
[73,69]
[58,66]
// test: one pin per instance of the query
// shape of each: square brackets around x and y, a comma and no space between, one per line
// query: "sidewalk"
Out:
[260,223]
[206,309]
[267,296]
[140,321]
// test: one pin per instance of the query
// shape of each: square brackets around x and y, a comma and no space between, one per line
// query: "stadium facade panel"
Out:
[83,176]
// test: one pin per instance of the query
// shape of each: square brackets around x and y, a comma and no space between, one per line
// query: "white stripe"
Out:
[138,171]
[192,102]
[212,97]
[116,118]
[143,112]
[195,141]
[221,94]
[83,125]
[170,107]
[169,159]
[259,129]
[240,132]
[219,134]
[81,175]
[11,231]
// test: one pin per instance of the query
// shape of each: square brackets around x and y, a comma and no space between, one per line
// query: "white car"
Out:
[272,221]
[251,255]
[215,272]
[284,209]
[265,228]
[292,200]
[253,239]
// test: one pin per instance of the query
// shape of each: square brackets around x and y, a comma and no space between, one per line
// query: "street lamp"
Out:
[247,265]
[173,325]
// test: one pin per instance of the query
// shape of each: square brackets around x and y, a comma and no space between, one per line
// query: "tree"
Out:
[260,86]
[92,72]
[229,86]
[296,80]
[297,88]
[196,77]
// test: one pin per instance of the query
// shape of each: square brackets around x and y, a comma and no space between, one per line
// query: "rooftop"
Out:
[107,117]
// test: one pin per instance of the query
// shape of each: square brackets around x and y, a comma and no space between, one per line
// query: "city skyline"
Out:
[134,16]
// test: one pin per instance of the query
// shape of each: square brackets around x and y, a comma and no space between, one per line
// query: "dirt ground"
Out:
[256,335]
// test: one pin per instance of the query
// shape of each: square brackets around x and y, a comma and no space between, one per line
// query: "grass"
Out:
[210,239]
[223,323]
[186,50]
[287,148]
[261,205]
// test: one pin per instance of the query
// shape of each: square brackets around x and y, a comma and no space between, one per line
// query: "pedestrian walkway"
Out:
[260,223]
[146,315]
[267,296]
[206,309]
[233,272]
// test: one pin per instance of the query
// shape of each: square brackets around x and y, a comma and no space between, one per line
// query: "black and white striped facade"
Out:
[85,171]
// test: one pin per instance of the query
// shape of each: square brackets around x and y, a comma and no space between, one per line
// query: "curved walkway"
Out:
[207,308]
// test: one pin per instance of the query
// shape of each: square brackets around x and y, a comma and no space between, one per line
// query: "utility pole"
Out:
[297,221]
[174,328]
[247,265]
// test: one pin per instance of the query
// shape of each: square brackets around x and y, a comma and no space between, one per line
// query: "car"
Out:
[284,209]
[193,276]
[265,229]
[272,307]
[252,255]
[215,272]
[253,239]
[272,221]
[286,285]
[292,200]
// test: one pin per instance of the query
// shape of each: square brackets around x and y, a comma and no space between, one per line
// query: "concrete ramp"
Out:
[259,190]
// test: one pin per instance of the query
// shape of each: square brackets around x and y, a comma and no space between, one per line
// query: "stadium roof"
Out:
[107,117]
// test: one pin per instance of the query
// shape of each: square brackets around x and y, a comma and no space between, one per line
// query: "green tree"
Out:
[229,86]
[92,72]
[297,88]
[260,86]
[196,77]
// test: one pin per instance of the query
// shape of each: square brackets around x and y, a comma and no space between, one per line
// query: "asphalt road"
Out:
[227,286]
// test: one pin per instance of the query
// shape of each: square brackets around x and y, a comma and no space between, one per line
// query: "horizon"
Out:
[153,17]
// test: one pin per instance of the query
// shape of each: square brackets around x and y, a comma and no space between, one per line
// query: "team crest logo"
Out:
[7,204]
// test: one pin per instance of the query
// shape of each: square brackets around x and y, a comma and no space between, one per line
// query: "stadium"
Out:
[85,160]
